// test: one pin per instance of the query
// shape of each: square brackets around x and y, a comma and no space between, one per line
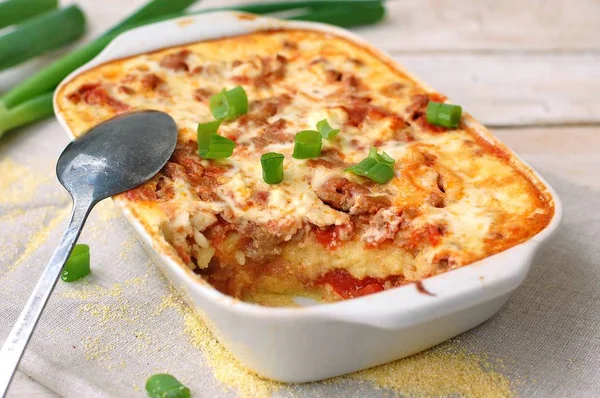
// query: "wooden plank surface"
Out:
[572,153]
[488,25]
[479,25]
[514,89]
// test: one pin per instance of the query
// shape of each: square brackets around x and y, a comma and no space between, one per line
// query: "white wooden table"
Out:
[529,70]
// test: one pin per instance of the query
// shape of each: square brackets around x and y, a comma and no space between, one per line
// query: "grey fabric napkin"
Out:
[105,335]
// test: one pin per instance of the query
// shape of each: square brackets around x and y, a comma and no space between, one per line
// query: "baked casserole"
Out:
[455,195]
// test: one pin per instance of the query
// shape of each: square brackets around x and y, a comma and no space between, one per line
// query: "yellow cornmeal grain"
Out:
[135,281]
[95,350]
[445,370]
[106,313]
[17,245]
[11,215]
[84,290]
[40,237]
[127,247]
[18,183]
[225,368]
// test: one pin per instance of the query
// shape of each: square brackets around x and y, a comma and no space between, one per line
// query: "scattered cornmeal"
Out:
[40,237]
[445,370]
[225,367]
[94,349]
[440,371]
[19,184]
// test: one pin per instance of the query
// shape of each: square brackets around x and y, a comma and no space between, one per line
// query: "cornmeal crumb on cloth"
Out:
[445,370]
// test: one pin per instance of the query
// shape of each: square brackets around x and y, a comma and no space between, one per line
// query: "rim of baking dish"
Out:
[454,290]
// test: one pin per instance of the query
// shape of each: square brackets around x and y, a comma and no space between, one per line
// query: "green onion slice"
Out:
[78,264]
[325,129]
[272,167]
[205,131]
[219,147]
[210,144]
[307,145]
[377,167]
[229,104]
[164,385]
[445,115]
[381,158]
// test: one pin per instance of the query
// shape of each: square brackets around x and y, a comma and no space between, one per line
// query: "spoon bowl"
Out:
[112,157]
[118,154]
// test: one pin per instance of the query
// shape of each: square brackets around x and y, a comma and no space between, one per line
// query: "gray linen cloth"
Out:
[104,336]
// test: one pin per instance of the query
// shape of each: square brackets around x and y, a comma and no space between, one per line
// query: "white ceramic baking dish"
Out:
[321,341]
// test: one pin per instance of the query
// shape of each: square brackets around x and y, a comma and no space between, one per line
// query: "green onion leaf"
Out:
[40,35]
[383,158]
[238,100]
[307,145]
[219,105]
[48,77]
[325,129]
[13,12]
[227,105]
[219,147]
[377,167]
[345,14]
[78,264]
[272,167]
[445,115]
[206,129]
[336,12]
[210,144]
[26,112]
[164,385]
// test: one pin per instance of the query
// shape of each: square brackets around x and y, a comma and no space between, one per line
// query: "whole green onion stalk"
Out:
[13,12]
[38,35]
[48,78]
[36,88]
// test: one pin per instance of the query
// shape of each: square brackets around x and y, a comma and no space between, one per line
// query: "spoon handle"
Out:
[19,336]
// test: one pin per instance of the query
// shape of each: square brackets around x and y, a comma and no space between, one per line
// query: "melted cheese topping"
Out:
[455,197]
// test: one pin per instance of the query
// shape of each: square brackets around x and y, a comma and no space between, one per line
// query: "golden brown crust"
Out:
[457,196]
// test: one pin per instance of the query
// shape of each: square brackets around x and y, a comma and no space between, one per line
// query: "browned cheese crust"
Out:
[457,195]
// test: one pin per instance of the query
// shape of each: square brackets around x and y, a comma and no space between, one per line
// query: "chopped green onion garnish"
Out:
[383,158]
[219,105]
[164,385]
[325,129]
[208,128]
[272,166]
[445,115]
[377,167]
[210,144]
[307,145]
[218,147]
[229,104]
[78,264]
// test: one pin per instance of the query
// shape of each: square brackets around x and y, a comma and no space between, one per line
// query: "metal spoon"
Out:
[113,157]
